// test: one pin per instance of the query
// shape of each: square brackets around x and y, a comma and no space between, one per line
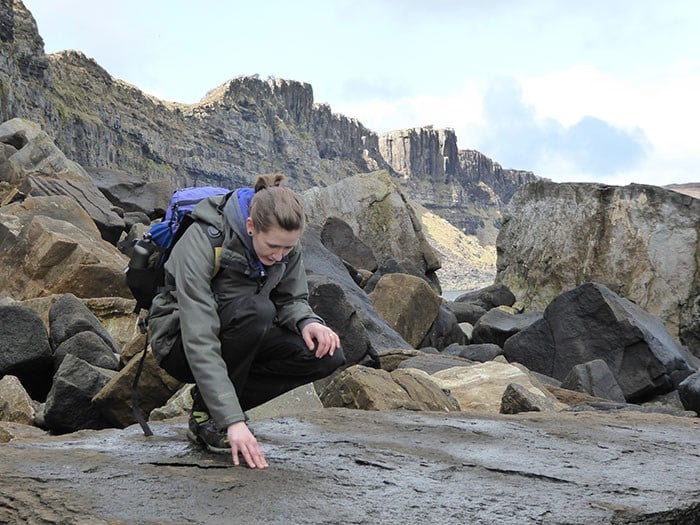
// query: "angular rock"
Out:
[69,405]
[115,314]
[25,351]
[444,331]
[376,210]
[408,304]
[591,322]
[423,390]
[301,400]
[487,298]
[640,241]
[481,352]
[480,387]
[497,325]
[431,363]
[15,403]
[367,389]
[89,347]
[516,399]
[69,316]
[689,392]
[465,312]
[45,170]
[61,208]
[138,343]
[338,237]
[321,262]
[594,378]
[124,190]
[179,404]
[390,358]
[154,389]
[533,347]
[329,300]
[41,255]
[133,218]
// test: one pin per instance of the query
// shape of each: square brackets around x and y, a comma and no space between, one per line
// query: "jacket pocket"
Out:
[163,326]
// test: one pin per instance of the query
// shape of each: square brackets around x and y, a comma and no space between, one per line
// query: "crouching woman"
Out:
[247,334]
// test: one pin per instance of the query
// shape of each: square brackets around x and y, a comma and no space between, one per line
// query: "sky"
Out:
[572,90]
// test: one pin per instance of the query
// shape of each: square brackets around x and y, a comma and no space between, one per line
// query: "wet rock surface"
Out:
[350,466]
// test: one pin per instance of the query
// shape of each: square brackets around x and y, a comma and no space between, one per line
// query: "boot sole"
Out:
[211,448]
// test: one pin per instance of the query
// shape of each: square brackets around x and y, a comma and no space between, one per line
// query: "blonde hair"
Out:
[274,205]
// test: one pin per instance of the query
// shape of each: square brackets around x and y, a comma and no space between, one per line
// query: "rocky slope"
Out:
[244,127]
[463,187]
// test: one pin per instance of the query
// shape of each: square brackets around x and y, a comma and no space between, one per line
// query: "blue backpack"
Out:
[145,274]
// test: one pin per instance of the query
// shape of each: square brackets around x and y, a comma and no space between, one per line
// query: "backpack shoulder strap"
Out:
[216,238]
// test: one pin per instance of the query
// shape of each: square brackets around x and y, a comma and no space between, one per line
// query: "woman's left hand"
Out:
[326,340]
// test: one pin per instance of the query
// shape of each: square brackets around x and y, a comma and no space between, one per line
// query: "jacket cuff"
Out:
[301,324]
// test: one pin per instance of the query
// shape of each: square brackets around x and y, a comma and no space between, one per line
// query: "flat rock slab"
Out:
[351,466]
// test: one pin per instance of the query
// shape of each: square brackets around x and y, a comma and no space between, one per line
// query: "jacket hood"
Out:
[228,214]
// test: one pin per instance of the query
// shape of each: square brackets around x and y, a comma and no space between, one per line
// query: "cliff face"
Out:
[244,127]
[463,187]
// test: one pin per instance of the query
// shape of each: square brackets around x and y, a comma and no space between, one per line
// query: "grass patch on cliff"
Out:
[466,264]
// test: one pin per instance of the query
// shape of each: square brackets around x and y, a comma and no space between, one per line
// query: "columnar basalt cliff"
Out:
[462,186]
[244,127]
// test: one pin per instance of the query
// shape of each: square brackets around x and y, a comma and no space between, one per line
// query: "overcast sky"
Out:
[574,90]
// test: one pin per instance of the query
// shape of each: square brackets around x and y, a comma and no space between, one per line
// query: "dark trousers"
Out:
[264,360]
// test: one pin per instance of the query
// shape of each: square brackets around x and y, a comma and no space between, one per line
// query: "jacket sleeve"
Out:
[291,295]
[191,265]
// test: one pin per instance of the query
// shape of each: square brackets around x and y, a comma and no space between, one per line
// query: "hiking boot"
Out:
[203,430]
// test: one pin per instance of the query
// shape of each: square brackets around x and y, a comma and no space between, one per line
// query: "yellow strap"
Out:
[217,261]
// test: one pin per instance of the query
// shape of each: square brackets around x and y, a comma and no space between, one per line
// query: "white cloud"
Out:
[462,109]
[662,104]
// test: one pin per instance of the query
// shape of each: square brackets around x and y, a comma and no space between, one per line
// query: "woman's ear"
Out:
[249,226]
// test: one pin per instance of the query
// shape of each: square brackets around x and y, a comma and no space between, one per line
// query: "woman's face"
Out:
[273,245]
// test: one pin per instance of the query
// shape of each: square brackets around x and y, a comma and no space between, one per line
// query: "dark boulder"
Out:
[130,194]
[594,378]
[69,405]
[466,312]
[689,392]
[328,300]
[490,297]
[338,237]
[89,347]
[319,261]
[591,322]
[24,349]
[444,331]
[475,352]
[497,325]
[69,316]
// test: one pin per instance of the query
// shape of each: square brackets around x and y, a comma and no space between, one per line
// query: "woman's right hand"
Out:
[243,442]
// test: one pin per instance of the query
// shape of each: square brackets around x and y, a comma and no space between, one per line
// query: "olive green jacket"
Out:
[192,299]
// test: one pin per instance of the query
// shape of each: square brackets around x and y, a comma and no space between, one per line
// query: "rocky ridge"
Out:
[244,127]
[464,187]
